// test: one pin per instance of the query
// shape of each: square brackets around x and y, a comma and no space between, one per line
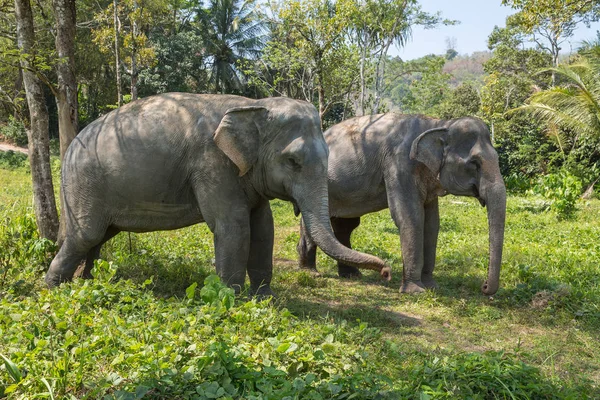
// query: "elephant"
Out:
[405,162]
[177,159]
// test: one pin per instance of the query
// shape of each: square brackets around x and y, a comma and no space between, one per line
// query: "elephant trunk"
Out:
[495,199]
[315,213]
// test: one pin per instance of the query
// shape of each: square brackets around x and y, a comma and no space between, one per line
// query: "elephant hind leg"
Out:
[307,250]
[77,245]
[342,228]
[65,263]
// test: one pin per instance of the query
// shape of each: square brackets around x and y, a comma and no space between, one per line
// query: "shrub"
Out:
[562,190]
[12,160]
[517,182]
[113,338]
[15,132]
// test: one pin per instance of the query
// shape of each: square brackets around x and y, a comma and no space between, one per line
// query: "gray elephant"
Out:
[405,162]
[173,160]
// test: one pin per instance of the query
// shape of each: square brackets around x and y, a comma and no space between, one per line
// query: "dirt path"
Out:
[7,147]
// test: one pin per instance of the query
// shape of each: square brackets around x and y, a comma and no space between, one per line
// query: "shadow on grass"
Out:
[354,313]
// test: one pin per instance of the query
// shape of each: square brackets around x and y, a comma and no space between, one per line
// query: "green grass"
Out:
[143,328]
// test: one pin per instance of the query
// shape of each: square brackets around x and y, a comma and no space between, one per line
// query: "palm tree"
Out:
[234,34]
[574,106]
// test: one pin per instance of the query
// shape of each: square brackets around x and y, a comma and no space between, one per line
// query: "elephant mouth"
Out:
[478,196]
[296,208]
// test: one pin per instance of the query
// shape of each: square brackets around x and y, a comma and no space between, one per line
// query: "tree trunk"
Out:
[117,60]
[18,86]
[39,149]
[363,82]
[64,12]
[134,68]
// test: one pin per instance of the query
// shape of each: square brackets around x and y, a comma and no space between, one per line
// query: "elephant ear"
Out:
[237,136]
[428,148]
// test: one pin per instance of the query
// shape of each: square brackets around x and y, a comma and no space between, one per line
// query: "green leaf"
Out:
[12,369]
[191,291]
[283,347]
[49,387]
[208,294]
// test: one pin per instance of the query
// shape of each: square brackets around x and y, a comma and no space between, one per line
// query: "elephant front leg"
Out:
[409,218]
[432,230]
[232,244]
[260,259]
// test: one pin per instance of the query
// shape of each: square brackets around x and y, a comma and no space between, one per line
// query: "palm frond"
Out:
[575,106]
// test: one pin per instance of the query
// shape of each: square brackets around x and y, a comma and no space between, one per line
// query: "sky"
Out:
[478,18]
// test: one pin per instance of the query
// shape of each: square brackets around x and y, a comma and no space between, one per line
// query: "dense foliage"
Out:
[333,54]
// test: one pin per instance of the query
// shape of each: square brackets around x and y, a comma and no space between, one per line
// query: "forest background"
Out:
[335,55]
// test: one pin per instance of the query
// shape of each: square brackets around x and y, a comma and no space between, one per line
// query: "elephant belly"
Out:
[154,216]
[161,206]
[356,204]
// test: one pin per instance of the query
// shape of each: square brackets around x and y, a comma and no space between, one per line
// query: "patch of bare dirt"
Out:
[10,147]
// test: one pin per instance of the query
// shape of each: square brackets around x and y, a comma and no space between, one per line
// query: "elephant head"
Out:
[278,146]
[461,155]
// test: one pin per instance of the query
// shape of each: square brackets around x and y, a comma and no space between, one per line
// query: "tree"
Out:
[180,64]
[122,30]
[64,14]
[461,102]
[451,51]
[523,146]
[571,111]
[39,150]
[574,105]
[376,25]
[552,20]
[235,34]
[419,85]
[308,55]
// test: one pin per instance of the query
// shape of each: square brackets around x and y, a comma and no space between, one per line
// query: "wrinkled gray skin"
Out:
[173,160]
[405,162]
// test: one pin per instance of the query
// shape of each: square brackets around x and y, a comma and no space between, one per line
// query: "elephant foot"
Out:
[346,271]
[310,269]
[53,280]
[412,287]
[262,293]
[429,282]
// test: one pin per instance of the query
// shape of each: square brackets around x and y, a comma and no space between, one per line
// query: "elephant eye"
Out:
[292,162]
[475,162]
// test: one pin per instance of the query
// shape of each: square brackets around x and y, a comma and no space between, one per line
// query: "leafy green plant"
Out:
[562,190]
[13,160]
[14,131]
[517,183]
[478,375]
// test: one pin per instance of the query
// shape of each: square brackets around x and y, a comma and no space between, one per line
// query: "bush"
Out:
[562,190]
[12,160]
[517,183]
[15,132]
[114,339]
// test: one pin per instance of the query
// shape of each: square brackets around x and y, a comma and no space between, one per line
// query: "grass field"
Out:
[143,329]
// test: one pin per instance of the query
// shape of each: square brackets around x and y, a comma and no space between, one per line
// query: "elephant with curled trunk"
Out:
[176,159]
[405,163]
